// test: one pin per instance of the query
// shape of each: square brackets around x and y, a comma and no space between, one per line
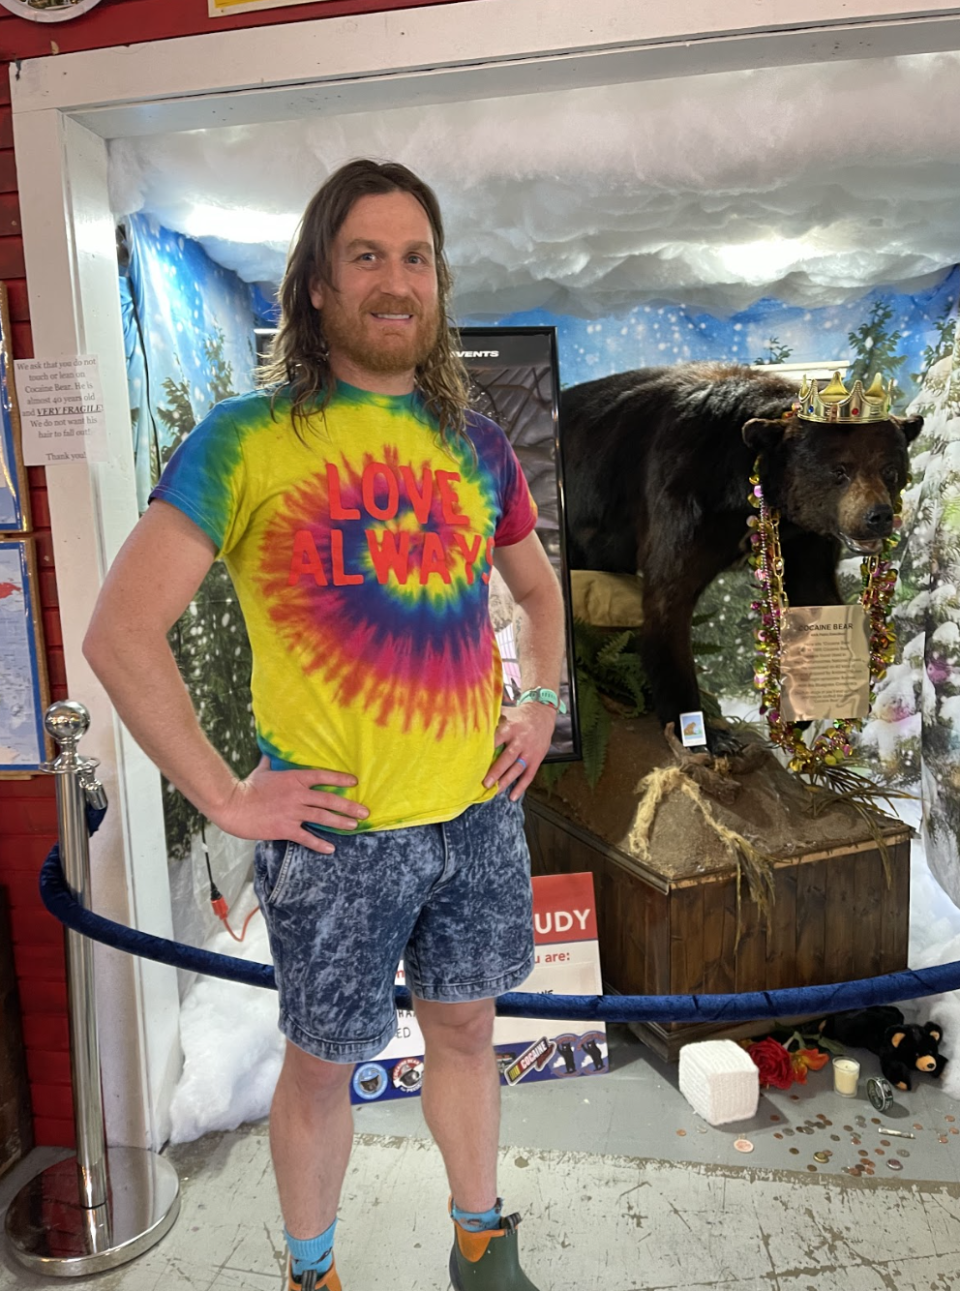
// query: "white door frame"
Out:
[66,107]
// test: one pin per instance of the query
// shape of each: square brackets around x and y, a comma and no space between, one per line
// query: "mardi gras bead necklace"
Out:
[832,746]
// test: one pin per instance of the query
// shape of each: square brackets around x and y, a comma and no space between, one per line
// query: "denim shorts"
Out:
[452,900]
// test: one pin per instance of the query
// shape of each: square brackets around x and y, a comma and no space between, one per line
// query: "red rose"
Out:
[774,1063]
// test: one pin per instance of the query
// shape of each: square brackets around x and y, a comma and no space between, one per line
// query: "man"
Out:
[359,508]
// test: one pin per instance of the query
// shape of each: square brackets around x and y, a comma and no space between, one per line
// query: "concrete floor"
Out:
[622,1186]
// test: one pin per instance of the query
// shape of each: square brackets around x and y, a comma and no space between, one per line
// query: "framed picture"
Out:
[14,495]
[516,383]
[24,692]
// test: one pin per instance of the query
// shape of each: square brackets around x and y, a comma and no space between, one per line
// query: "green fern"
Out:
[609,667]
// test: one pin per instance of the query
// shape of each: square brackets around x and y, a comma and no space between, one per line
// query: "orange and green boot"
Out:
[311,1280]
[488,1260]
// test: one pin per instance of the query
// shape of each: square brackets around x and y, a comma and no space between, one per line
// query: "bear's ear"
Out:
[933,1031]
[896,1037]
[911,427]
[758,433]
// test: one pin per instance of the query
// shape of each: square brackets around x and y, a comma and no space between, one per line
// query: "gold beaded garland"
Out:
[832,746]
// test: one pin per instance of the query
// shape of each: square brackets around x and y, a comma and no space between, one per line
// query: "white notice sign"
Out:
[61,410]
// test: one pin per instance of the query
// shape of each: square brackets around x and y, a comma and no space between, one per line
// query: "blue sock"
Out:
[311,1252]
[478,1221]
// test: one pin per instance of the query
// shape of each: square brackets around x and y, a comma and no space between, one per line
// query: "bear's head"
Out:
[918,1047]
[839,481]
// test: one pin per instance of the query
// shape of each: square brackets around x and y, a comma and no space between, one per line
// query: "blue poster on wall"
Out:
[13,483]
[22,699]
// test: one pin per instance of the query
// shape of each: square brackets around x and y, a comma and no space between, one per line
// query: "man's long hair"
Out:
[298,357]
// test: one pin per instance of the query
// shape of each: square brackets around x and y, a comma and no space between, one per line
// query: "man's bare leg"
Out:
[461,1096]
[311,1134]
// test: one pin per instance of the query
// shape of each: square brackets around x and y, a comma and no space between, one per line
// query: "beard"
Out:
[385,352]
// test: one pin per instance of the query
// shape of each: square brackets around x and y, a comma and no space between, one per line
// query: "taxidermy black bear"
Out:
[903,1048]
[657,465]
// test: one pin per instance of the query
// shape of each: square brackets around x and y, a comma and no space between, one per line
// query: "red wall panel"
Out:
[129,22]
[27,810]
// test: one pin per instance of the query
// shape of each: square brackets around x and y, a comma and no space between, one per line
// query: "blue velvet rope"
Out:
[911,984]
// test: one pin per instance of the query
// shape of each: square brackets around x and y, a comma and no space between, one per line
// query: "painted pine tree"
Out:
[874,347]
[914,729]
[210,641]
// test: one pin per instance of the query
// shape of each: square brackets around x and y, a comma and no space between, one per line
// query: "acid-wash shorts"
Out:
[452,900]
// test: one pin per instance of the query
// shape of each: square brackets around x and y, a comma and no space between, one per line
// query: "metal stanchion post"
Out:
[104,1206]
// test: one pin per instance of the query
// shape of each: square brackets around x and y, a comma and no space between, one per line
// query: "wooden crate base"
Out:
[836,915]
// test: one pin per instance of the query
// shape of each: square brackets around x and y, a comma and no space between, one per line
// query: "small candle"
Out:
[846,1074]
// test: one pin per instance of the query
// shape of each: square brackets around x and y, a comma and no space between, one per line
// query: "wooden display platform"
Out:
[670,927]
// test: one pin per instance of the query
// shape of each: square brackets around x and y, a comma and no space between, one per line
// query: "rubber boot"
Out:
[489,1260]
[311,1280]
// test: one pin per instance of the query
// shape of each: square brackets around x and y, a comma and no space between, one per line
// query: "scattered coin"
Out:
[795,1098]
[861,1120]
[942,1138]
[795,1152]
[774,1118]
[821,1157]
[884,1143]
[788,1133]
[880,1152]
[778,1136]
[848,1128]
[856,1141]
[682,1134]
[894,1164]
[917,1125]
[852,1169]
[826,1122]
[874,1120]
[743,1145]
[812,1169]
[702,1129]
[902,1152]
[951,1119]
[835,1138]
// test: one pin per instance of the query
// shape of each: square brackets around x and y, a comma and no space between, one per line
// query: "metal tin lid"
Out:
[880,1093]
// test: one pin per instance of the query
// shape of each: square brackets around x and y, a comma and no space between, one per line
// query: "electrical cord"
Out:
[218,901]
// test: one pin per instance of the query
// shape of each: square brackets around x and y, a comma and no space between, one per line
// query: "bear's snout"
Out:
[879,520]
[926,1064]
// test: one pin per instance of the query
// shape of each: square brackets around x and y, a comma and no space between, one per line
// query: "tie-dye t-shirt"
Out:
[361,552]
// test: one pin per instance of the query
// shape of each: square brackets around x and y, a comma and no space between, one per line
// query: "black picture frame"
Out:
[515,375]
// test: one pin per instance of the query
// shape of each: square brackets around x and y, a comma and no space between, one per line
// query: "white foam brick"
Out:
[719,1080]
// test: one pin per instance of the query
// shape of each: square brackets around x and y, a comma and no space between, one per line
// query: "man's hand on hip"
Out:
[274,805]
[525,732]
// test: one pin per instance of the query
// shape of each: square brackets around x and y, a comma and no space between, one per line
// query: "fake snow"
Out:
[609,196]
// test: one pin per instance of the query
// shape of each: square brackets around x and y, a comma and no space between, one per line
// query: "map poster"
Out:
[14,496]
[23,696]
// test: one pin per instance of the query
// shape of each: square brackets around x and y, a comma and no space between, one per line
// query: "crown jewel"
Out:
[835,404]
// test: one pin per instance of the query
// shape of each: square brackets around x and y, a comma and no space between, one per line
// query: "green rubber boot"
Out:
[489,1260]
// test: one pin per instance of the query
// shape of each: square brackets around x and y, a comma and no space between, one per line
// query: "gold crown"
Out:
[836,404]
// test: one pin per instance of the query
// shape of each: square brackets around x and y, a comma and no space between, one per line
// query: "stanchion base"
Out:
[51,1232]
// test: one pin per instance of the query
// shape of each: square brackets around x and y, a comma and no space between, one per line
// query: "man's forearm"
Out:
[540,644]
[143,681]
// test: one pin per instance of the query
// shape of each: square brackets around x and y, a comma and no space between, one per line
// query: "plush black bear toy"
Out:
[911,1048]
[902,1048]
